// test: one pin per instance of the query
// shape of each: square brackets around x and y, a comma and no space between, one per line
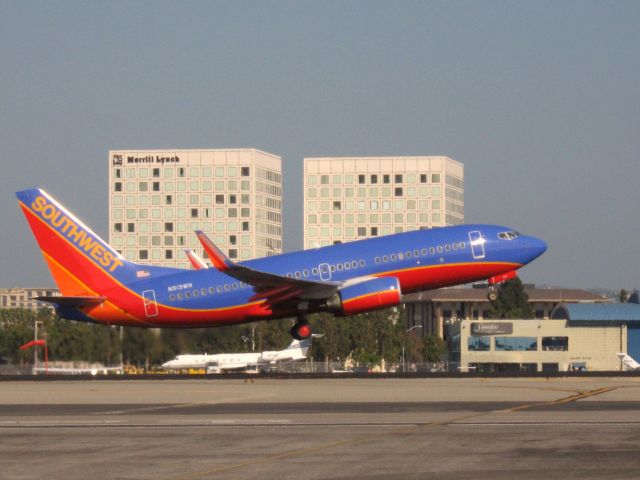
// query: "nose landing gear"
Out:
[492,296]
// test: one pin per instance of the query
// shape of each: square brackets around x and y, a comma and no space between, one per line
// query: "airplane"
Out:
[218,363]
[628,362]
[98,284]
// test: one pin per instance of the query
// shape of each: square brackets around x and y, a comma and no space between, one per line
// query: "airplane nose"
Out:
[534,247]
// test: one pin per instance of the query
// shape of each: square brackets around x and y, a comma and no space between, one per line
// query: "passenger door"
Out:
[325,272]
[150,305]
[477,244]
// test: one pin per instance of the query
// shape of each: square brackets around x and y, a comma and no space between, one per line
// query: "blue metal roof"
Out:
[598,312]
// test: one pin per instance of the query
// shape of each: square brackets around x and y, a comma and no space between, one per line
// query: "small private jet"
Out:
[234,362]
[98,284]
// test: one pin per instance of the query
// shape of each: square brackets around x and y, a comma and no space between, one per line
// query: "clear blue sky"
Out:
[540,101]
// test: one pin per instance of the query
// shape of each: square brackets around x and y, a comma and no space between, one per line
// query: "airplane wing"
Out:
[195,260]
[272,287]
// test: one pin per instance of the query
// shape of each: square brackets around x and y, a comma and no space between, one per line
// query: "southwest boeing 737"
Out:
[99,285]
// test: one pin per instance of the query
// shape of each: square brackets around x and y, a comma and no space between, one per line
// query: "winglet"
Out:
[195,260]
[219,259]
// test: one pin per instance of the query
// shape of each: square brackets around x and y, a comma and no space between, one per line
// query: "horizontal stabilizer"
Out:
[72,302]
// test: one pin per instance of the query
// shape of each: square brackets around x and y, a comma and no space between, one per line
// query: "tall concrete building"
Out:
[158,198]
[351,198]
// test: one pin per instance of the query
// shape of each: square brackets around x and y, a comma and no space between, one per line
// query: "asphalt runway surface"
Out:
[587,428]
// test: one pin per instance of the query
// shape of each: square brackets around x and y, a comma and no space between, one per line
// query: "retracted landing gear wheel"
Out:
[492,296]
[301,330]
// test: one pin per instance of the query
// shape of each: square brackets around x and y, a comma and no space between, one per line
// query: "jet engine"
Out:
[373,294]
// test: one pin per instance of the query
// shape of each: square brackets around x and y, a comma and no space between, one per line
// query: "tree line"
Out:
[365,339]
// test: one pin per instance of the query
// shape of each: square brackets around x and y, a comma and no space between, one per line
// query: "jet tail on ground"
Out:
[628,361]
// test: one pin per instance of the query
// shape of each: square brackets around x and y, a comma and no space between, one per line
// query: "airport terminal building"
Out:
[576,337]
[431,312]
[351,198]
[158,198]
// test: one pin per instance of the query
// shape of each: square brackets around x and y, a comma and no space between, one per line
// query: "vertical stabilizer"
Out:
[80,261]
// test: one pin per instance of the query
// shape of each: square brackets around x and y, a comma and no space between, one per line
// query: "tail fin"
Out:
[82,264]
[628,361]
[298,349]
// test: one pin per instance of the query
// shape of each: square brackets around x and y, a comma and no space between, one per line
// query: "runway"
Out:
[321,429]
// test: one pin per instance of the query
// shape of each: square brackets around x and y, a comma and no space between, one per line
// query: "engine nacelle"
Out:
[365,296]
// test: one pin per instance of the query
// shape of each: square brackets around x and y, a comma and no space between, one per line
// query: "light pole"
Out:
[35,350]
[407,331]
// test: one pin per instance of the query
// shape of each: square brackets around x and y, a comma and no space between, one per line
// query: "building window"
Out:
[156,186]
[516,344]
[143,255]
[398,178]
[233,240]
[435,178]
[555,344]
[168,200]
[244,171]
[117,227]
[168,254]
[219,199]
[398,191]
[362,231]
[386,179]
[181,172]
[374,178]
[131,227]
[233,199]
[117,187]
[362,178]
[374,231]
[479,344]
[337,205]
[423,178]
[233,253]
[156,173]
[194,213]
[168,226]
[245,226]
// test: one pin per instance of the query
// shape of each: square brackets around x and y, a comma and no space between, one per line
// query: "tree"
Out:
[624,296]
[434,347]
[512,301]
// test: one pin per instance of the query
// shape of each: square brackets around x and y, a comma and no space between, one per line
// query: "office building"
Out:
[347,199]
[24,297]
[158,198]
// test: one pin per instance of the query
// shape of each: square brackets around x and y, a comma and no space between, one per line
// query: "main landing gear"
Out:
[301,330]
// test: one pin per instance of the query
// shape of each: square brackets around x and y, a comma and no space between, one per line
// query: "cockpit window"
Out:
[508,235]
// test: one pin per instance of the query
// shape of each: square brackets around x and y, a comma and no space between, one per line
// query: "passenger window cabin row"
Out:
[417,253]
